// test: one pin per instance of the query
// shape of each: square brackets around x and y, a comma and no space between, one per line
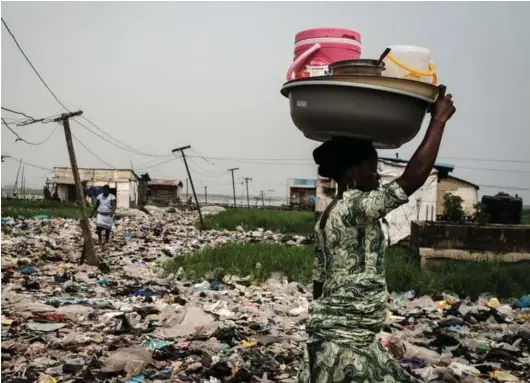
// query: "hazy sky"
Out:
[162,75]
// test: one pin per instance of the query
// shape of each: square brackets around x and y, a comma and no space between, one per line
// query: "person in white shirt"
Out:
[106,208]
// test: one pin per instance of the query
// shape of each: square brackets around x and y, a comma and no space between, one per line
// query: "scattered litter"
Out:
[132,323]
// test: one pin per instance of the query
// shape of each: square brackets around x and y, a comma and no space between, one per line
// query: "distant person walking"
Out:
[105,208]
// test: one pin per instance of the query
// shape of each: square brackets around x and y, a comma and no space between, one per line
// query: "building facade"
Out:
[123,184]
[165,190]
[302,191]
[458,187]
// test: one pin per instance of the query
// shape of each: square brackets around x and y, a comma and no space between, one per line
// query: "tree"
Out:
[453,211]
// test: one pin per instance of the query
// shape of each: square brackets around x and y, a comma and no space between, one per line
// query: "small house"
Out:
[458,187]
[302,191]
[123,184]
[165,190]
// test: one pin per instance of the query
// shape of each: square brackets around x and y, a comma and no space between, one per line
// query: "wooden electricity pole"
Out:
[181,150]
[234,184]
[206,195]
[248,199]
[16,179]
[22,185]
[89,253]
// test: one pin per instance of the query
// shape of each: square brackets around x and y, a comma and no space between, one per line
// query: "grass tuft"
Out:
[20,208]
[287,222]
[403,271]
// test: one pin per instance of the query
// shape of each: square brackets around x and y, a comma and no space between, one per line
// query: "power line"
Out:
[207,172]
[311,163]
[32,66]
[156,164]
[24,140]
[124,146]
[494,170]
[309,160]
[485,159]
[504,187]
[29,164]
[20,113]
[205,159]
[91,152]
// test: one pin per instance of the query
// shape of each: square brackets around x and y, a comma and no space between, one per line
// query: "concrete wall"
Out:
[62,192]
[467,192]
[126,195]
[122,195]
[123,180]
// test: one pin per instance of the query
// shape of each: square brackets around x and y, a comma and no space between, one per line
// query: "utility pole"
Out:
[22,186]
[233,184]
[206,195]
[16,179]
[187,194]
[181,150]
[89,254]
[262,195]
[246,182]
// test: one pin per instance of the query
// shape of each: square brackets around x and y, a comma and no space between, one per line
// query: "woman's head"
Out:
[348,161]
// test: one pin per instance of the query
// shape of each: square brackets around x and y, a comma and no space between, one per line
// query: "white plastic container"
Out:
[410,63]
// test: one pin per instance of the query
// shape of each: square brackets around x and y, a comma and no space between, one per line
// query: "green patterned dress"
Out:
[344,321]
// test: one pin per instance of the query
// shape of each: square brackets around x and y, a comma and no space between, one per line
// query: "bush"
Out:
[288,222]
[403,271]
[453,211]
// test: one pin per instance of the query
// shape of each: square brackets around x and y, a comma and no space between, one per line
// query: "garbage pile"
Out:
[128,321]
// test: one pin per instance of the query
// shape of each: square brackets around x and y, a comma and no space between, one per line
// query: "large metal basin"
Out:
[323,108]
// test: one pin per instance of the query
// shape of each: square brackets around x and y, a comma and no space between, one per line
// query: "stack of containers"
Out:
[333,92]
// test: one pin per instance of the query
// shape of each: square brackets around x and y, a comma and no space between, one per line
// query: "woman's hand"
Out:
[443,108]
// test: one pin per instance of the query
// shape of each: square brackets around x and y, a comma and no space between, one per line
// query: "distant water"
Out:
[228,199]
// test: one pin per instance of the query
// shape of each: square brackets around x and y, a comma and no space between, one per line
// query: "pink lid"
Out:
[327,32]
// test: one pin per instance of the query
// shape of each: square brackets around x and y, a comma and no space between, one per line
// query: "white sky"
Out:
[162,75]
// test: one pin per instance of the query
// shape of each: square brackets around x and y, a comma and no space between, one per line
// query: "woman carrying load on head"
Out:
[350,294]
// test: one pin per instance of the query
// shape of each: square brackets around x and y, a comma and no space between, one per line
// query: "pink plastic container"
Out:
[315,49]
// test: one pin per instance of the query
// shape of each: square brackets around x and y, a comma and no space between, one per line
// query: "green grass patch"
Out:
[241,259]
[403,271]
[288,222]
[525,219]
[21,208]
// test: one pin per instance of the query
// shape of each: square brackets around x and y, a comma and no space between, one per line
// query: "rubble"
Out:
[65,322]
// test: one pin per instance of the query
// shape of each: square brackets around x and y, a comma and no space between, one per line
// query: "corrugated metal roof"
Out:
[64,175]
[165,182]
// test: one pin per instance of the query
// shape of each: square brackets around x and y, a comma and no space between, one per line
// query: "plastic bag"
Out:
[130,360]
